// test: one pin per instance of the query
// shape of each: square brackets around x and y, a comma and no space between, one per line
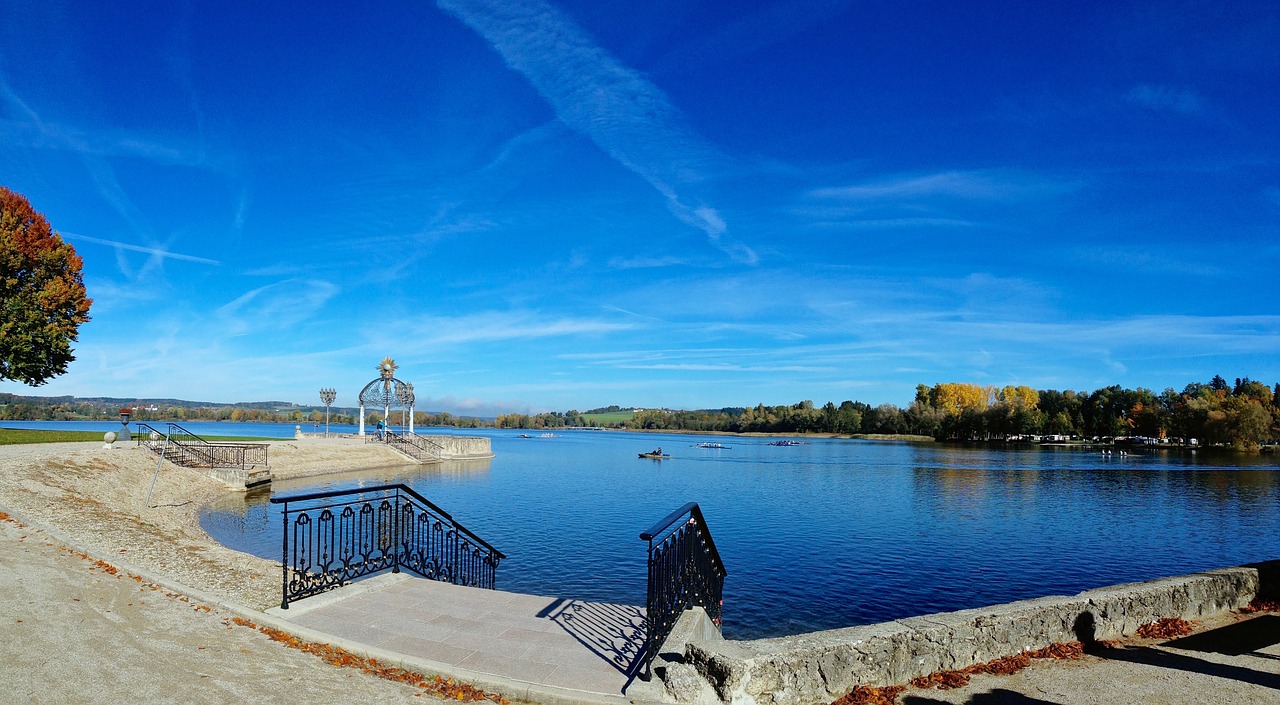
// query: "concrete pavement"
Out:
[587,649]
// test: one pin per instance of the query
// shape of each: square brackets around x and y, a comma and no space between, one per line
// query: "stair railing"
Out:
[410,443]
[331,538]
[185,448]
[685,571]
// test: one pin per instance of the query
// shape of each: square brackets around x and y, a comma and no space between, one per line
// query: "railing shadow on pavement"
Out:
[1247,637]
[615,633]
[1229,641]
[1161,658]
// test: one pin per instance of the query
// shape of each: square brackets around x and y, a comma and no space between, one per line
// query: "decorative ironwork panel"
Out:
[332,538]
[684,571]
[418,447]
[189,450]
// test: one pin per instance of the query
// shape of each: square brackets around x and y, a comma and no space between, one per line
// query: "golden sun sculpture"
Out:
[388,367]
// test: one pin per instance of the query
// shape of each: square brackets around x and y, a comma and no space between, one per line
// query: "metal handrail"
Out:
[418,444]
[387,488]
[693,509]
[185,448]
[356,535]
[685,571]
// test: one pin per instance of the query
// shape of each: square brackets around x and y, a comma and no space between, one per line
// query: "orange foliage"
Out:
[1166,628]
[439,687]
[1260,605]
[945,680]
[42,284]
[868,695]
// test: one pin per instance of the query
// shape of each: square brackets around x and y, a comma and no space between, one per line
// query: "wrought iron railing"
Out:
[685,571]
[189,450]
[332,538]
[411,444]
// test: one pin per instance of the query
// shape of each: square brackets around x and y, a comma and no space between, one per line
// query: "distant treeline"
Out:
[1243,415]
[24,408]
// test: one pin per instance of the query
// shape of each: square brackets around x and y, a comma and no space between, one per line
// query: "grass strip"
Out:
[19,436]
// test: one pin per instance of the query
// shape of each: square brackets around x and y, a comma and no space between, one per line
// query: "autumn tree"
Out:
[42,296]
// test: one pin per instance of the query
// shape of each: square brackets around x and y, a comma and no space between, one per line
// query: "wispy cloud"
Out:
[967,185]
[1272,195]
[1192,261]
[275,306]
[646,262]
[752,27]
[1167,99]
[153,251]
[504,325]
[28,129]
[944,199]
[886,223]
[614,106]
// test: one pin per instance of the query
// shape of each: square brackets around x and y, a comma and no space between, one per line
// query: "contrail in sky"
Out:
[155,251]
[612,105]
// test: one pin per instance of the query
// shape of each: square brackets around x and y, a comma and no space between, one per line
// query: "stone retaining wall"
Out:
[452,447]
[695,666]
[463,447]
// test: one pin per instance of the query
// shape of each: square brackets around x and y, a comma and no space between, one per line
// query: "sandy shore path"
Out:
[79,628]
[98,499]
[77,633]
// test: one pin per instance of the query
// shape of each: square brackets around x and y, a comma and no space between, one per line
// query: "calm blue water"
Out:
[838,532]
[825,535]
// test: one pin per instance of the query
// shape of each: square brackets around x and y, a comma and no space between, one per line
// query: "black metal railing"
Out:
[332,538]
[189,450]
[418,447]
[685,571]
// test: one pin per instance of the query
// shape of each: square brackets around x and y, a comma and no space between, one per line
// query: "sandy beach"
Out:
[74,521]
[97,498]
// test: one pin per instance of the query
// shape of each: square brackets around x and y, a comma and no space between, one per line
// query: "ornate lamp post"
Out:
[404,394]
[327,396]
[409,385]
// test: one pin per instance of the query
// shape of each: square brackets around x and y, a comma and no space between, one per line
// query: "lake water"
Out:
[833,533]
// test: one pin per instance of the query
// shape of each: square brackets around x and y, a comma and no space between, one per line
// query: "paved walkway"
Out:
[590,647]
[1237,662]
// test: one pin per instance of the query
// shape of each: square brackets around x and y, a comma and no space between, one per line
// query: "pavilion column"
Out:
[361,419]
[411,418]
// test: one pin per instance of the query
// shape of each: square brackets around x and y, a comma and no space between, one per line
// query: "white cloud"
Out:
[617,108]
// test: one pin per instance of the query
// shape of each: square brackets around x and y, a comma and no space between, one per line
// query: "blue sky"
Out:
[543,206]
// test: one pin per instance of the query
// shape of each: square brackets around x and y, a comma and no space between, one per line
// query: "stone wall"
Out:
[463,447]
[695,666]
